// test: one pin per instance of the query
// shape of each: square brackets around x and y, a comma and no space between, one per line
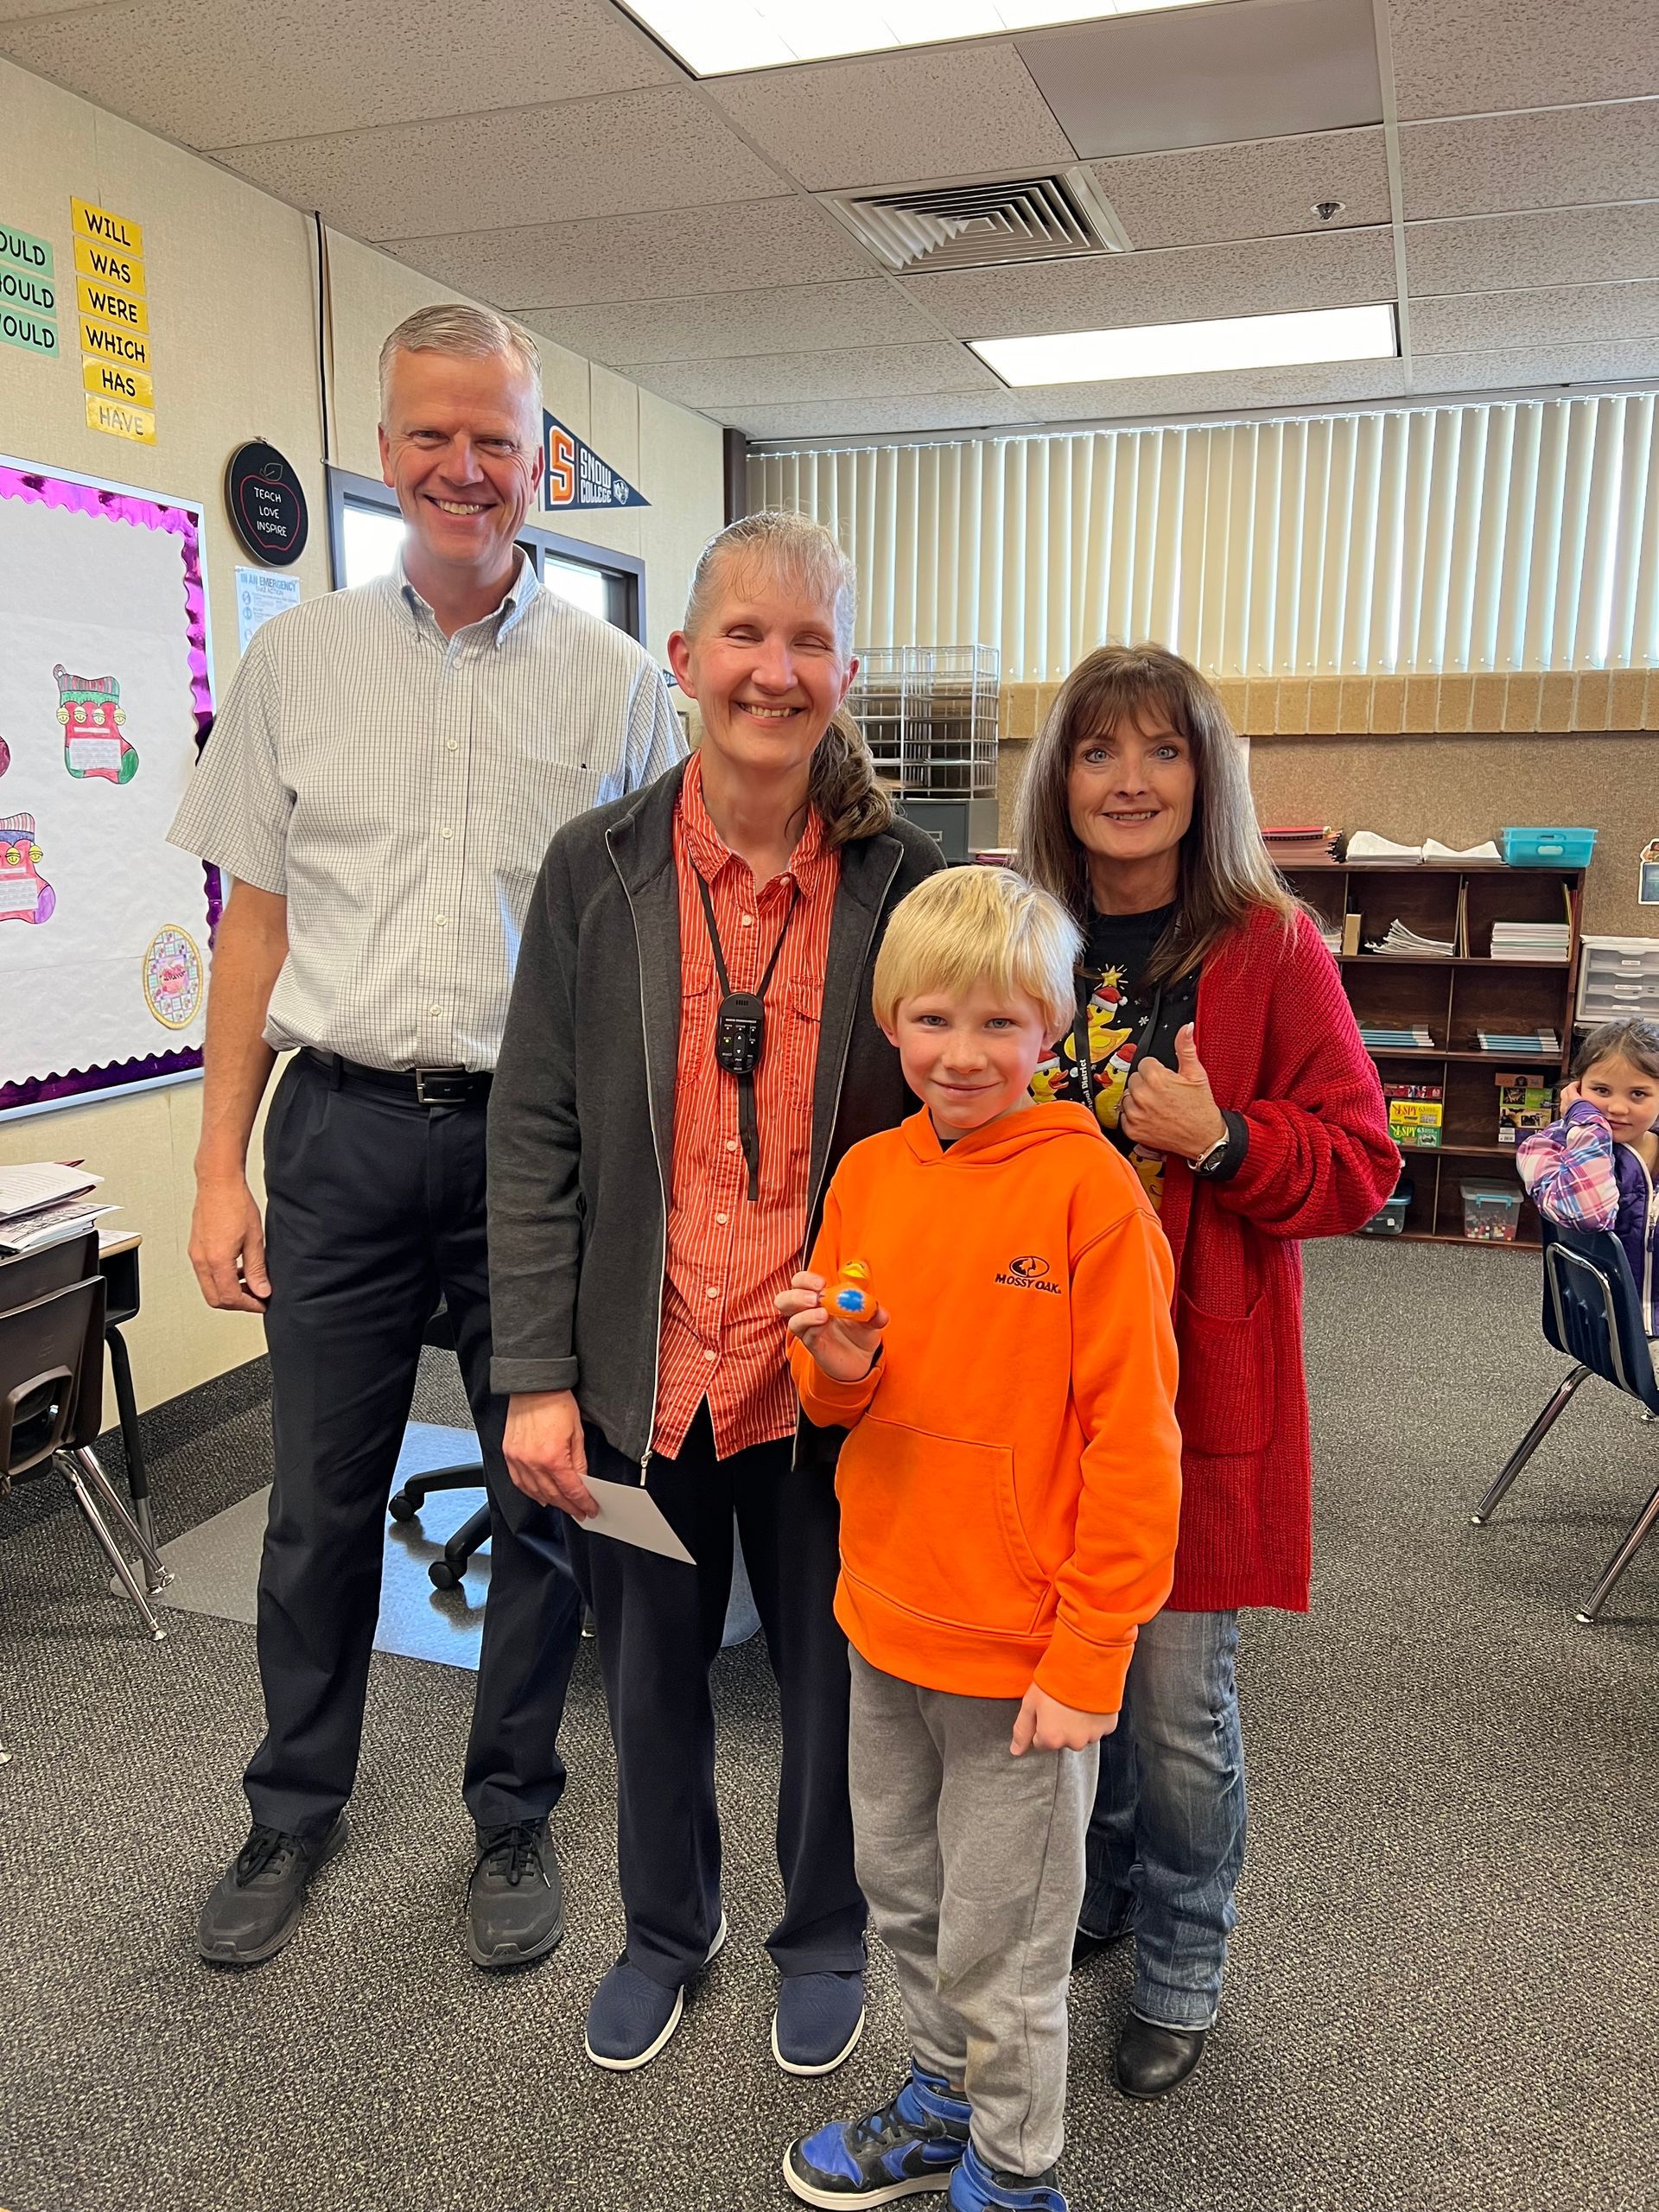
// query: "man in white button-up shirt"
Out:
[381,787]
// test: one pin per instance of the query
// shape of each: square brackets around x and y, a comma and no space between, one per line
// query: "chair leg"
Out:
[407,1501]
[107,1544]
[1621,1559]
[449,1572]
[1528,1444]
[115,1506]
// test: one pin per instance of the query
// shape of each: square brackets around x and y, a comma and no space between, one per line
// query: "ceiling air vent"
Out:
[979,225]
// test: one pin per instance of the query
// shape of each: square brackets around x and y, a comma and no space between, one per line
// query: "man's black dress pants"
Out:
[375,1206]
[658,1624]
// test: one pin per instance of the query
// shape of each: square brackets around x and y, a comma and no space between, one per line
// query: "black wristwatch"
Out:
[1207,1162]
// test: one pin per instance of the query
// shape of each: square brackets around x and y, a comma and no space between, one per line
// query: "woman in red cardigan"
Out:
[1215,1043]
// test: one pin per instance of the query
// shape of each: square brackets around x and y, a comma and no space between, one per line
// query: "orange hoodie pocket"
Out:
[930,1523]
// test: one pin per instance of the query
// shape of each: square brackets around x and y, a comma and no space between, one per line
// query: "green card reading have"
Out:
[28,297]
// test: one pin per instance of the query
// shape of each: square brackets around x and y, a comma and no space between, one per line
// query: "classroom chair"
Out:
[446,1573]
[52,1400]
[1592,1313]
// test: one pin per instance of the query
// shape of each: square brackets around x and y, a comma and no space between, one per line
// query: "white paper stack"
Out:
[1366,845]
[42,1202]
[1406,943]
[1529,941]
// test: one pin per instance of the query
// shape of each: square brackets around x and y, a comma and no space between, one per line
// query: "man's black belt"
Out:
[426,1086]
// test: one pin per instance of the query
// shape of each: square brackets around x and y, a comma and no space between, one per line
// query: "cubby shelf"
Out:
[1400,990]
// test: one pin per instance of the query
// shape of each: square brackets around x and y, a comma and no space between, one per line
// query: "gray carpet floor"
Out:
[1443,1979]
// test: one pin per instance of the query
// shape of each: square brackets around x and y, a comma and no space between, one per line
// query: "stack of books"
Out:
[44,1202]
[1403,943]
[1303,845]
[1376,1039]
[1416,1112]
[1520,1044]
[1530,941]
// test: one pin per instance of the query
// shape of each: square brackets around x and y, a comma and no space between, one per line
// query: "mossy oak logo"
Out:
[1028,1272]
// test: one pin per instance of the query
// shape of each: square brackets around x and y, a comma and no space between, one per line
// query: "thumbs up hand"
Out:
[1173,1109]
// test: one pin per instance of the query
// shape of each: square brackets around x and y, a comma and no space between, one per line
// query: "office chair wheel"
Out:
[402,1506]
[445,1577]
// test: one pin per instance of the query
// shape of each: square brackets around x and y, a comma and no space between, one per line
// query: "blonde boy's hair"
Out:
[968,926]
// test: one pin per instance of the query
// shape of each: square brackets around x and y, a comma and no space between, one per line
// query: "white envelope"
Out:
[632,1517]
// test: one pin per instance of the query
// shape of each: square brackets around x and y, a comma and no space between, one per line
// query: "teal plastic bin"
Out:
[1549,848]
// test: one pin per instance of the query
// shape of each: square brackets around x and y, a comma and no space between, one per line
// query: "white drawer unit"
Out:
[1618,981]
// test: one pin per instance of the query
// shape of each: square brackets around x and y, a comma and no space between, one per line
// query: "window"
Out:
[365,532]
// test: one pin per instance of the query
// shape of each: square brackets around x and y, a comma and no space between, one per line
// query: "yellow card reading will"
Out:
[109,343]
[110,305]
[110,381]
[110,267]
[116,420]
[107,227]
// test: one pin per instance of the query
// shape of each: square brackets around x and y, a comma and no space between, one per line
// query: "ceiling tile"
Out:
[578,158]
[1207,76]
[1262,277]
[676,253]
[1217,393]
[1481,57]
[915,114]
[1261,190]
[231,73]
[1563,314]
[1543,366]
[853,418]
[1553,158]
[1563,245]
[863,371]
[798,318]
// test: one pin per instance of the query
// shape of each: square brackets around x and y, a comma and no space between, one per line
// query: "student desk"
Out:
[117,1261]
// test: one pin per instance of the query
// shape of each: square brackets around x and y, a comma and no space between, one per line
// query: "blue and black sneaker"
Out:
[911,2144]
[975,2187]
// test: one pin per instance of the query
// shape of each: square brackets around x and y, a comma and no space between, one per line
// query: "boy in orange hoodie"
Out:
[1009,1490]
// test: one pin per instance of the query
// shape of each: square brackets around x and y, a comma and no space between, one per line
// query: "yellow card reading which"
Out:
[109,343]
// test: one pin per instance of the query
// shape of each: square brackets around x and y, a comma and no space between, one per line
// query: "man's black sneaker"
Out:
[515,1902]
[255,1906]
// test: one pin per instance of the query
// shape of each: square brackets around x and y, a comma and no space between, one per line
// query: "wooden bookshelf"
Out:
[1454,998]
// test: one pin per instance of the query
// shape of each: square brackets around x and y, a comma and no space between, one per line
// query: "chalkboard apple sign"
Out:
[266,504]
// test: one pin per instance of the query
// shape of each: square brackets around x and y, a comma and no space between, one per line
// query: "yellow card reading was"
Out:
[109,343]
[116,420]
[110,267]
[110,381]
[110,305]
[108,228]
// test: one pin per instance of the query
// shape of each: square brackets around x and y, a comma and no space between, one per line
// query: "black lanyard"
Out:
[741,1029]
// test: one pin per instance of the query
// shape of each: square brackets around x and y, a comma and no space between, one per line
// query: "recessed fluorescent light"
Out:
[1179,349]
[713,37]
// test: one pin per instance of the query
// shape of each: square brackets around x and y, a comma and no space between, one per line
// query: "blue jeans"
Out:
[1167,1838]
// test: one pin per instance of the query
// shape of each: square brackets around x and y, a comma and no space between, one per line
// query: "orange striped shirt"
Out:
[728,1256]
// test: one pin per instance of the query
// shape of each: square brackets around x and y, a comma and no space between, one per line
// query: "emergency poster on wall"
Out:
[104,698]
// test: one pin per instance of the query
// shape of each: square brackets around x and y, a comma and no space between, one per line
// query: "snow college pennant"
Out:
[576,477]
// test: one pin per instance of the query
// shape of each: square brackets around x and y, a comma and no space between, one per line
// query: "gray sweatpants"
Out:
[972,1861]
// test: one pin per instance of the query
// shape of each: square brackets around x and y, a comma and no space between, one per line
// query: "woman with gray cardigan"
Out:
[689,1051]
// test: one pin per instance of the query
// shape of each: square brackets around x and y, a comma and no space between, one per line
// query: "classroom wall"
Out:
[232,287]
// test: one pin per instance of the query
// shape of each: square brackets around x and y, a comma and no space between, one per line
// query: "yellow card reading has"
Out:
[111,381]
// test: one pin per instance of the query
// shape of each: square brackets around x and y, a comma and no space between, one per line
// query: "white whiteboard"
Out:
[104,691]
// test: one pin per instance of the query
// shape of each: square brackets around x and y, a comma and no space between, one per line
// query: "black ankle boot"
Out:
[1153,2060]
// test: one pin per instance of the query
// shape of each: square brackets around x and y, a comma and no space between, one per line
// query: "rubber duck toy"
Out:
[847,1296]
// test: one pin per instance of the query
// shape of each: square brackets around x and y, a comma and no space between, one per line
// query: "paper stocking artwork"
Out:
[104,698]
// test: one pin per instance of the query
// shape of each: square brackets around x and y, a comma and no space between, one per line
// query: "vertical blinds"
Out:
[1520,535]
